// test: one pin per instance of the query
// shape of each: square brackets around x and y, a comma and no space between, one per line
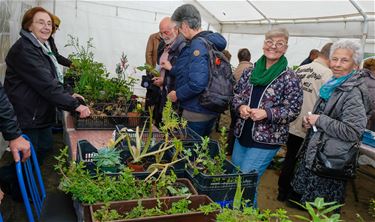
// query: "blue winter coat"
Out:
[191,71]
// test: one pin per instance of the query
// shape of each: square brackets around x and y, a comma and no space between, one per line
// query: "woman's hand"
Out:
[84,111]
[258,114]
[309,120]
[166,65]
[244,111]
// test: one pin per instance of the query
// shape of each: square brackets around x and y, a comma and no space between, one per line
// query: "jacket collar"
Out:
[353,81]
[30,37]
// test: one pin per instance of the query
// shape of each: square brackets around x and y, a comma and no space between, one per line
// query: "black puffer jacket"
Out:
[8,121]
[32,86]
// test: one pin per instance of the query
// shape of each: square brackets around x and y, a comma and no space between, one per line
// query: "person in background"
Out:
[313,76]
[152,52]
[339,116]
[266,99]
[369,64]
[313,55]
[60,59]
[32,82]
[244,57]
[191,69]
[169,50]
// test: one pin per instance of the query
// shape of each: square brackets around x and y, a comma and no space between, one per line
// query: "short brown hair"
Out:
[369,64]
[326,49]
[27,19]
[244,55]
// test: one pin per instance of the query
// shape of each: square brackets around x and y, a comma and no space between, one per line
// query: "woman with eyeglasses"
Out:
[267,98]
[33,81]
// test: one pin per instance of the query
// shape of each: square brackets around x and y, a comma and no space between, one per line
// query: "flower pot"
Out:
[109,169]
[133,119]
[136,167]
[123,207]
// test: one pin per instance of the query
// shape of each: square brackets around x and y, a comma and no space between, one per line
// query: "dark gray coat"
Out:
[343,120]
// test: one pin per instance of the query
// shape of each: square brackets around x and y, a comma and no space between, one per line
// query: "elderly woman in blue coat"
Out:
[267,98]
[339,117]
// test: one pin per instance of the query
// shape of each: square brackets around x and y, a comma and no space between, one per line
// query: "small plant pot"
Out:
[133,119]
[136,167]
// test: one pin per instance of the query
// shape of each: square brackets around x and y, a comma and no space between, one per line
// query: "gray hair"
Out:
[189,14]
[354,46]
[277,32]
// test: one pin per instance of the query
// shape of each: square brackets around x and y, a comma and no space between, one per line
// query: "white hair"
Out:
[354,46]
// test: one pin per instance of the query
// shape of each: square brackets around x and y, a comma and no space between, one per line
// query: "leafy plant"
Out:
[107,158]
[106,214]
[149,69]
[201,160]
[172,124]
[372,208]
[91,77]
[318,211]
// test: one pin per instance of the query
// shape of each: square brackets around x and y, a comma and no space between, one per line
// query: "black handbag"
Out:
[336,166]
[340,166]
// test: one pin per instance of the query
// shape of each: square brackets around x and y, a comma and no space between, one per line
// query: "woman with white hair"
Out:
[336,125]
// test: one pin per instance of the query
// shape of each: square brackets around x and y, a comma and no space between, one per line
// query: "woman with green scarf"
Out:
[336,124]
[267,98]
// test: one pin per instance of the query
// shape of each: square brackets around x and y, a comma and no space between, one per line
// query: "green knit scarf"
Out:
[262,76]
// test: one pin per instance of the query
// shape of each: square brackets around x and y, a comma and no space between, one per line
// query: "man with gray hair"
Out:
[192,69]
[313,76]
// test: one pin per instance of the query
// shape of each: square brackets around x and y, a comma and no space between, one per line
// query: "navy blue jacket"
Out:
[191,70]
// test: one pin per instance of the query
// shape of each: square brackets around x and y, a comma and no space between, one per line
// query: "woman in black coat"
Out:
[32,81]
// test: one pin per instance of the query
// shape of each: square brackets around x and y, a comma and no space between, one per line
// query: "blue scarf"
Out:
[329,87]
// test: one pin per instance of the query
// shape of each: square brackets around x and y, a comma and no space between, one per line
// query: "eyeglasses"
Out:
[42,23]
[270,43]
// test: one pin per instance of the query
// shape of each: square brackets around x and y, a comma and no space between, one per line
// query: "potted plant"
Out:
[107,159]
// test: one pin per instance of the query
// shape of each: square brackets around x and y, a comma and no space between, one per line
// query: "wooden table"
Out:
[98,138]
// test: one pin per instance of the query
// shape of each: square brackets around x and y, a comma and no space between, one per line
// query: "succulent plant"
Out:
[107,157]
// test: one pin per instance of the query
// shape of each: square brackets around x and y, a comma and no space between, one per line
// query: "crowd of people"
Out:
[326,102]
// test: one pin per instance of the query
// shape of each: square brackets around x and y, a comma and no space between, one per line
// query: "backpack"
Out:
[219,91]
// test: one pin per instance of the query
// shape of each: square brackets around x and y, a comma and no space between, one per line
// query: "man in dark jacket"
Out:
[10,130]
[169,50]
[192,70]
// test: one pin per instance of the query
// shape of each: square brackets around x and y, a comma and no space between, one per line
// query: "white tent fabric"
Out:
[124,26]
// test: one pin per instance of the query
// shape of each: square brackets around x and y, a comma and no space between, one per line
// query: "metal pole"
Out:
[365,23]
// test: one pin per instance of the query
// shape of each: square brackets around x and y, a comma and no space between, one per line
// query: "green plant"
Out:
[149,69]
[372,208]
[318,211]
[107,158]
[91,77]
[202,161]
[106,214]
[172,124]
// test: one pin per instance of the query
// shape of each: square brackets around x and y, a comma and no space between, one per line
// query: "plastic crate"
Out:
[86,152]
[369,138]
[231,175]
[224,193]
[108,122]
[186,134]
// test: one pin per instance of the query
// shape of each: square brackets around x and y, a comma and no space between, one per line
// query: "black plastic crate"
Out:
[186,134]
[86,151]
[108,122]
[229,178]
[224,193]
